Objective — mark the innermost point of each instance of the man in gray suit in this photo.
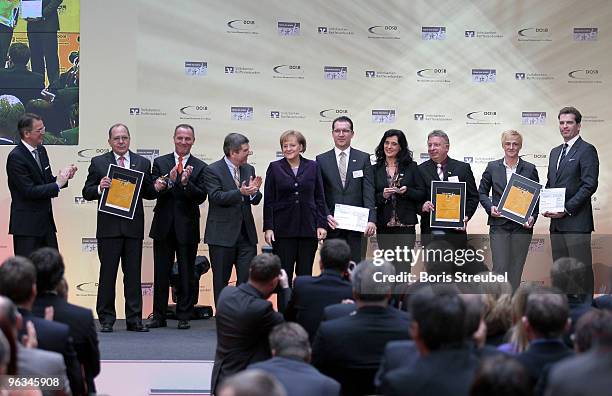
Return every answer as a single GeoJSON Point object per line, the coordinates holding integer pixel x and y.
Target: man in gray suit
{"type": "Point", "coordinates": [230, 228]}
{"type": "Point", "coordinates": [348, 180]}
{"type": "Point", "coordinates": [574, 165]}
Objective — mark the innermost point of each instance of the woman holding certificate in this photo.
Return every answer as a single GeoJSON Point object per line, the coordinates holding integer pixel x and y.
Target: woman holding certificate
{"type": "Point", "coordinates": [295, 214]}
{"type": "Point", "coordinates": [509, 238]}
{"type": "Point", "coordinates": [399, 190]}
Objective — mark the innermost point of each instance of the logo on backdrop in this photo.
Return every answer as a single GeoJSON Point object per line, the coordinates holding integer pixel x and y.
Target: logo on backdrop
{"type": "Point", "coordinates": [423, 157]}
{"type": "Point", "coordinates": [291, 115]}
{"type": "Point", "coordinates": [484, 75]}
{"type": "Point", "coordinates": [522, 76]}
{"type": "Point", "coordinates": [240, 70]}
{"type": "Point", "coordinates": [334, 30]}
{"type": "Point", "coordinates": [382, 74]}
{"type": "Point", "coordinates": [195, 112]}
{"type": "Point", "coordinates": [429, 33]}
{"type": "Point", "coordinates": [335, 72]}
{"type": "Point", "coordinates": [535, 34]}
{"type": "Point", "coordinates": [147, 111]}
{"type": "Point", "coordinates": [482, 34]}
{"type": "Point", "coordinates": [585, 34]}
{"type": "Point", "coordinates": [86, 154]}
{"type": "Point", "coordinates": [242, 26]}
{"type": "Point", "coordinates": [87, 289]}
{"type": "Point", "coordinates": [389, 32]}
{"type": "Point", "coordinates": [438, 117]}
{"type": "Point", "coordinates": [584, 76]}
{"type": "Point", "coordinates": [288, 29]}
{"type": "Point", "coordinates": [89, 244]}
{"type": "Point", "coordinates": [193, 68]}
{"type": "Point", "coordinates": [288, 72]}
{"type": "Point", "coordinates": [383, 116]}
{"type": "Point", "coordinates": [468, 160]}
{"type": "Point", "coordinates": [149, 154]}
{"type": "Point", "coordinates": [146, 288]}
{"type": "Point", "coordinates": [587, 118]}
{"type": "Point", "coordinates": [241, 113]}
{"type": "Point", "coordinates": [533, 118]}
{"type": "Point", "coordinates": [328, 115]}
{"type": "Point", "coordinates": [482, 118]}
{"type": "Point", "coordinates": [434, 75]}
{"type": "Point", "coordinates": [477, 160]}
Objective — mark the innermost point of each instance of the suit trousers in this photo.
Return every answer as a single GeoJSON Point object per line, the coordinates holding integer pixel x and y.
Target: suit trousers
{"type": "Point", "coordinates": [110, 251]}
{"type": "Point", "coordinates": [578, 246]}
{"type": "Point", "coordinates": [298, 252]}
{"type": "Point", "coordinates": [164, 251]}
{"type": "Point", "coordinates": [509, 247]}
{"type": "Point", "coordinates": [6, 35]}
{"type": "Point", "coordinates": [25, 245]}
{"type": "Point", "coordinates": [356, 241]}
{"type": "Point", "coordinates": [222, 259]}
{"type": "Point", "coordinates": [43, 46]}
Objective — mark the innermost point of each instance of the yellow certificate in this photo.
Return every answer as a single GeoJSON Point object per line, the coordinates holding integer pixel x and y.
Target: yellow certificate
{"type": "Point", "coordinates": [518, 201]}
{"type": "Point", "coordinates": [448, 207]}
{"type": "Point", "coordinates": [121, 194]}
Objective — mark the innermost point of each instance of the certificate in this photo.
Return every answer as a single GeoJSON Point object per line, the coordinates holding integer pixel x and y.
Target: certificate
{"type": "Point", "coordinates": [552, 200]}
{"type": "Point", "coordinates": [448, 199]}
{"type": "Point", "coordinates": [121, 197]}
{"type": "Point", "coordinates": [519, 198]}
{"type": "Point", "coordinates": [31, 9]}
{"type": "Point", "coordinates": [352, 218]}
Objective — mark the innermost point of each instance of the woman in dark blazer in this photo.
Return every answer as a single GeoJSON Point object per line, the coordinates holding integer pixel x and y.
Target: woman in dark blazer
{"type": "Point", "coordinates": [295, 214]}
{"type": "Point", "coordinates": [399, 189]}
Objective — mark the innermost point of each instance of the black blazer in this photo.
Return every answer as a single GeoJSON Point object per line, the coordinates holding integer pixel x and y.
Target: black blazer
{"type": "Point", "coordinates": [111, 226]}
{"type": "Point", "coordinates": [494, 178]}
{"type": "Point", "coordinates": [31, 192]}
{"type": "Point", "coordinates": [311, 294]}
{"type": "Point", "coordinates": [49, 21]}
{"type": "Point", "coordinates": [299, 378]}
{"type": "Point", "coordinates": [178, 207]}
{"type": "Point", "coordinates": [463, 171]}
{"type": "Point", "coordinates": [579, 174]}
{"type": "Point", "coordinates": [21, 83]}
{"type": "Point", "coordinates": [397, 354]}
{"type": "Point", "coordinates": [294, 205]}
{"type": "Point", "coordinates": [540, 354]}
{"type": "Point", "coordinates": [244, 320]}
{"type": "Point", "coordinates": [82, 330]}
{"type": "Point", "coordinates": [227, 208]}
{"type": "Point", "coordinates": [358, 191]}
{"type": "Point", "coordinates": [407, 204]}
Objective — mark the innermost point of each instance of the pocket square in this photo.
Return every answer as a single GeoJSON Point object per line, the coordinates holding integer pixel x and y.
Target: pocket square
{"type": "Point", "coordinates": [572, 159]}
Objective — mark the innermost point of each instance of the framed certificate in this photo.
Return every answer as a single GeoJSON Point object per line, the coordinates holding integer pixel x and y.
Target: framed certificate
{"type": "Point", "coordinates": [519, 198]}
{"type": "Point", "coordinates": [448, 199]}
{"type": "Point", "coordinates": [121, 197]}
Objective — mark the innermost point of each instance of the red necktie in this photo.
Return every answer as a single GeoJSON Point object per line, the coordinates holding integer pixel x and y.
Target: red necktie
{"type": "Point", "coordinates": [179, 169]}
{"type": "Point", "coordinates": [121, 161]}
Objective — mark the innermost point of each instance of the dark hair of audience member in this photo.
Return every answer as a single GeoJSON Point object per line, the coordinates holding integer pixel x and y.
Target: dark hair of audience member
{"type": "Point", "coordinates": [440, 315]}
{"type": "Point", "coordinates": [518, 336]}
{"type": "Point", "coordinates": [17, 277]}
{"type": "Point", "coordinates": [500, 375]}
{"type": "Point", "coordinates": [547, 312]}
{"type": "Point", "coordinates": [290, 340]}
{"type": "Point", "coordinates": [593, 329]}
{"type": "Point", "coordinates": [335, 254]}
{"type": "Point", "coordinates": [49, 268]}
{"type": "Point", "coordinates": [568, 275]}
{"type": "Point", "coordinates": [253, 382]}
{"type": "Point", "coordinates": [264, 268]}
{"type": "Point", "coordinates": [8, 323]}
{"type": "Point", "coordinates": [366, 288]}
{"type": "Point", "coordinates": [474, 313]}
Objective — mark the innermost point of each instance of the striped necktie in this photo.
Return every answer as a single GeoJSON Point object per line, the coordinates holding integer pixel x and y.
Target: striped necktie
{"type": "Point", "coordinates": [237, 176]}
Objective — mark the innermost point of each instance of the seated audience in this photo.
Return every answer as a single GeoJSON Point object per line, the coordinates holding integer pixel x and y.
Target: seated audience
{"type": "Point", "coordinates": [517, 337]}
{"type": "Point", "coordinates": [17, 80]}
{"type": "Point", "coordinates": [500, 376]}
{"type": "Point", "coordinates": [251, 383]}
{"type": "Point", "coordinates": [589, 328]}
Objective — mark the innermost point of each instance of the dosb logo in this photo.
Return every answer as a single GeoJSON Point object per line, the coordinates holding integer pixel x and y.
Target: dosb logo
{"type": "Point", "coordinates": [481, 115]}
{"type": "Point", "coordinates": [92, 152]}
{"type": "Point", "coordinates": [584, 74]}
{"type": "Point", "coordinates": [431, 73]}
{"type": "Point", "coordinates": [87, 287]}
{"type": "Point", "coordinates": [288, 70]}
{"type": "Point", "coordinates": [134, 111]}
{"type": "Point", "coordinates": [384, 31]}
{"type": "Point", "coordinates": [333, 113]}
{"type": "Point", "coordinates": [194, 110]}
{"type": "Point", "coordinates": [534, 33]}
{"type": "Point", "coordinates": [241, 24]}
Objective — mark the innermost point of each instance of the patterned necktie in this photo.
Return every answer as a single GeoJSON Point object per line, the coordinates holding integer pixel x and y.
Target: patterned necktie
{"type": "Point", "coordinates": [179, 169]}
{"type": "Point", "coordinates": [563, 152]}
{"type": "Point", "coordinates": [37, 158]}
{"type": "Point", "coordinates": [121, 161]}
{"type": "Point", "coordinates": [237, 176]}
{"type": "Point", "coordinates": [342, 168]}
{"type": "Point", "coordinates": [440, 172]}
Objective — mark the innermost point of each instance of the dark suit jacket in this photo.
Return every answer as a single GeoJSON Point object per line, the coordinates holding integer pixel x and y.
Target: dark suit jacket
{"type": "Point", "coordinates": [540, 354]}
{"type": "Point", "coordinates": [578, 173]}
{"type": "Point", "coordinates": [244, 320]}
{"type": "Point", "coordinates": [50, 21]}
{"type": "Point", "coordinates": [358, 191]}
{"type": "Point", "coordinates": [31, 192]}
{"type": "Point", "coordinates": [460, 169]}
{"type": "Point", "coordinates": [179, 207]}
{"type": "Point", "coordinates": [397, 354]}
{"type": "Point", "coordinates": [407, 204]}
{"type": "Point", "coordinates": [55, 337]}
{"type": "Point", "coordinates": [227, 208]}
{"type": "Point", "coordinates": [82, 330]}
{"type": "Point", "coordinates": [21, 83]}
{"type": "Point", "coordinates": [111, 226]}
{"type": "Point", "coordinates": [311, 294]}
{"type": "Point", "coordinates": [586, 374]}
{"type": "Point", "coordinates": [294, 205]}
{"type": "Point", "coordinates": [299, 378]}
{"type": "Point", "coordinates": [349, 349]}
{"type": "Point", "coordinates": [441, 373]}
{"type": "Point", "coordinates": [494, 178]}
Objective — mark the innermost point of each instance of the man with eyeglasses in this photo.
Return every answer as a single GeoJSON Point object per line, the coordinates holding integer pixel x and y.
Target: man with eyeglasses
{"type": "Point", "coordinates": [347, 179]}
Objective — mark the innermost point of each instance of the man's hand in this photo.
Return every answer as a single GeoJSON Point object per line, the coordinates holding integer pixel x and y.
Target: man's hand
{"type": "Point", "coordinates": [554, 215]}
{"type": "Point", "coordinates": [105, 183]}
{"type": "Point", "coordinates": [269, 237]}
{"type": "Point", "coordinates": [173, 173]}
{"type": "Point", "coordinates": [70, 170]}
{"type": "Point", "coordinates": [49, 312]}
{"type": "Point", "coordinates": [257, 182]}
{"type": "Point", "coordinates": [160, 184]}
{"type": "Point", "coordinates": [332, 222]}
{"type": "Point", "coordinates": [495, 212]}
{"type": "Point", "coordinates": [186, 173]}
{"type": "Point", "coordinates": [388, 192]}
{"type": "Point", "coordinates": [529, 223]}
{"type": "Point", "coordinates": [465, 221]}
{"type": "Point", "coordinates": [249, 189]}
{"type": "Point", "coordinates": [427, 207]}
{"type": "Point", "coordinates": [402, 190]}
{"type": "Point", "coordinates": [283, 279]}
{"type": "Point", "coordinates": [321, 233]}
{"type": "Point", "coordinates": [29, 340]}
{"type": "Point", "coordinates": [370, 229]}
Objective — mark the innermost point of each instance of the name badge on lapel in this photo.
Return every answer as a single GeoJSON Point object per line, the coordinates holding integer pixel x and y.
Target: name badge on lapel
{"type": "Point", "coordinates": [357, 173]}
{"type": "Point", "coordinates": [454, 179]}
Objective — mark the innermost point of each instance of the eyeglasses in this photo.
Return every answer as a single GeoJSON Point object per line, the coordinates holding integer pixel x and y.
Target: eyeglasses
{"type": "Point", "coordinates": [342, 131]}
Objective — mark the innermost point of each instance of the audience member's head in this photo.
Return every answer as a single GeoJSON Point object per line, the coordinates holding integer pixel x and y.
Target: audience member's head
{"type": "Point", "coordinates": [501, 375]}
{"type": "Point", "coordinates": [290, 340]}
{"type": "Point", "coordinates": [5, 354]}
{"type": "Point", "coordinates": [10, 321]}
{"type": "Point", "coordinates": [434, 258]}
{"type": "Point", "coordinates": [11, 109]}
{"type": "Point", "coordinates": [264, 272]}
{"type": "Point", "coordinates": [568, 275]}
{"type": "Point", "coordinates": [518, 335]}
{"type": "Point", "coordinates": [475, 326]}
{"type": "Point", "coordinates": [18, 281]}
{"type": "Point", "coordinates": [438, 315]}
{"type": "Point", "coordinates": [546, 314]}
{"type": "Point", "coordinates": [593, 329]}
{"type": "Point", "coordinates": [19, 54]}
{"type": "Point", "coordinates": [49, 266]}
{"type": "Point", "coordinates": [252, 382]}
{"type": "Point", "coordinates": [498, 314]}
{"type": "Point", "coordinates": [335, 255]}
{"type": "Point", "coordinates": [370, 283]}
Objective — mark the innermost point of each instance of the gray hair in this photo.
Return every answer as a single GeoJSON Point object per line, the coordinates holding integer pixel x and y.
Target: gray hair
{"type": "Point", "coordinates": [371, 282]}
{"type": "Point", "coordinates": [233, 142]}
{"type": "Point", "coordinates": [290, 340]}
{"type": "Point", "coordinates": [439, 133]}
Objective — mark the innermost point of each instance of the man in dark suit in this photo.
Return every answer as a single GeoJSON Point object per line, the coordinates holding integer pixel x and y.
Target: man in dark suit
{"type": "Point", "coordinates": [119, 238]}
{"type": "Point", "coordinates": [509, 240]}
{"type": "Point", "coordinates": [42, 39]}
{"type": "Point", "coordinates": [367, 332]}
{"type": "Point", "coordinates": [18, 282]}
{"type": "Point", "coordinates": [290, 363]}
{"type": "Point", "coordinates": [440, 167]}
{"type": "Point", "coordinates": [176, 226]}
{"type": "Point", "coordinates": [575, 167]}
{"type": "Point", "coordinates": [245, 318]}
{"type": "Point", "coordinates": [311, 294]}
{"type": "Point", "coordinates": [32, 185]}
{"type": "Point", "coordinates": [17, 80]}
{"type": "Point", "coordinates": [232, 189]}
{"type": "Point", "coordinates": [348, 180]}
{"type": "Point", "coordinates": [49, 274]}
